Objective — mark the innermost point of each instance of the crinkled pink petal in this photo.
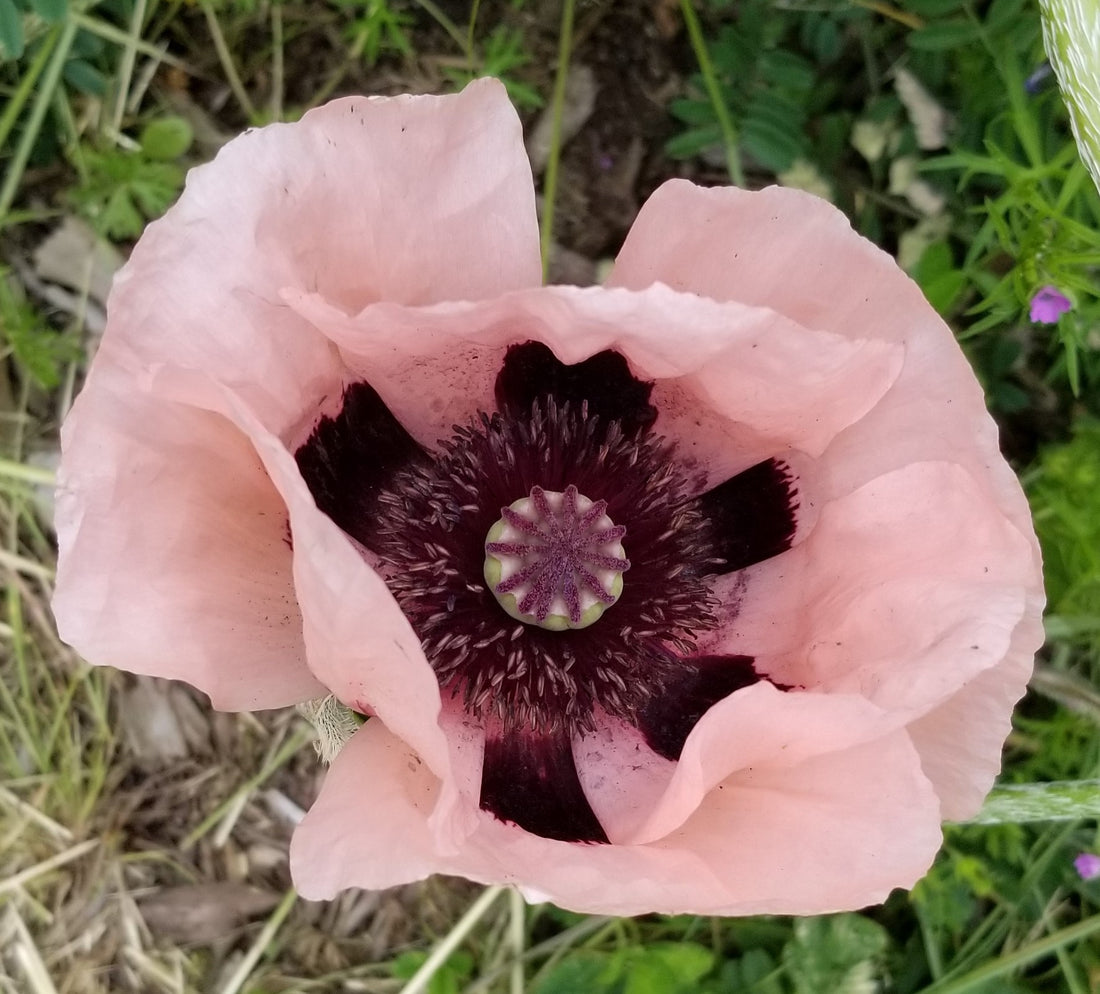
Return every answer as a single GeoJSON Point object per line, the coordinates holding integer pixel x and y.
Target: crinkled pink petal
{"type": "Point", "coordinates": [960, 740]}
{"type": "Point", "coordinates": [173, 554]}
{"type": "Point", "coordinates": [621, 776]}
{"type": "Point", "coordinates": [910, 610]}
{"type": "Point", "coordinates": [410, 199]}
{"type": "Point", "coordinates": [885, 600]}
{"type": "Point", "coordinates": [767, 379]}
{"type": "Point", "coordinates": [869, 807]}
{"type": "Point", "coordinates": [759, 726]}
{"type": "Point", "coordinates": [784, 249]}
{"type": "Point", "coordinates": [358, 642]}
{"type": "Point", "coordinates": [639, 797]}
{"type": "Point", "coordinates": [772, 839]}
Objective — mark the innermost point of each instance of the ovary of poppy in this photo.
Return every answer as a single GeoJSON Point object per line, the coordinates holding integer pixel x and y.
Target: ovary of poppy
{"type": "Point", "coordinates": [331, 367]}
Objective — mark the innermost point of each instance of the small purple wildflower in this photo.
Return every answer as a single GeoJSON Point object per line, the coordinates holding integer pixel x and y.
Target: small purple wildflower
{"type": "Point", "coordinates": [1087, 865]}
{"type": "Point", "coordinates": [1049, 304]}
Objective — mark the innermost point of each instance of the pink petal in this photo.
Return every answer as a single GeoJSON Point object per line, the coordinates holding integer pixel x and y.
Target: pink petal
{"type": "Point", "coordinates": [639, 797]}
{"type": "Point", "coordinates": [623, 779]}
{"type": "Point", "coordinates": [888, 600]}
{"type": "Point", "coordinates": [747, 373]}
{"type": "Point", "coordinates": [835, 832]}
{"type": "Point", "coordinates": [785, 249]}
{"type": "Point", "coordinates": [778, 248]}
{"type": "Point", "coordinates": [759, 726]}
{"type": "Point", "coordinates": [358, 642]}
{"type": "Point", "coordinates": [794, 854]}
{"type": "Point", "coordinates": [409, 199]}
{"type": "Point", "coordinates": [961, 740]}
{"type": "Point", "coordinates": [173, 553]}
{"type": "Point", "coordinates": [369, 828]}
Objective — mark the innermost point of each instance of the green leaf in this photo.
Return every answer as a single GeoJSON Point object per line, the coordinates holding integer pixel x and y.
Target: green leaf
{"type": "Point", "coordinates": [37, 349]}
{"type": "Point", "coordinates": [944, 290]}
{"type": "Point", "coordinates": [580, 972]}
{"type": "Point", "coordinates": [50, 11]}
{"type": "Point", "coordinates": [771, 142]}
{"type": "Point", "coordinates": [120, 219]}
{"type": "Point", "coordinates": [156, 186]}
{"type": "Point", "coordinates": [693, 142]}
{"type": "Point", "coordinates": [692, 111]}
{"type": "Point", "coordinates": [821, 35]}
{"type": "Point", "coordinates": [668, 968]}
{"type": "Point", "coordinates": [1066, 500]}
{"type": "Point", "coordinates": [944, 36]}
{"type": "Point", "coordinates": [11, 30]}
{"type": "Point", "coordinates": [1004, 14]}
{"type": "Point", "coordinates": [83, 76]}
{"type": "Point", "coordinates": [756, 972]}
{"type": "Point", "coordinates": [835, 953]}
{"type": "Point", "coordinates": [787, 71]}
{"type": "Point", "coordinates": [166, 138]}
{"type": "Point", "coordinates": [450, 978]}
{"type": "Point", "coordinates": [938, 277]}
{"type": "Point", "coordinates": [934, 8]}
{"type": "Point", "coordinates": [124, 189]}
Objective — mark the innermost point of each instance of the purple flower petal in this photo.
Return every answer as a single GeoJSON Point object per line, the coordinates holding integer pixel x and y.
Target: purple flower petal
{"type": "Point", "coordinates": [1087, 865]}
{"type": "Point", "coordinates": [1048, 305]}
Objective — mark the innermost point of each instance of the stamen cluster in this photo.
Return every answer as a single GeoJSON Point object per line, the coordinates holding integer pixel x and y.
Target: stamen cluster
{"type": "Point", "coordinates": [431, 540]}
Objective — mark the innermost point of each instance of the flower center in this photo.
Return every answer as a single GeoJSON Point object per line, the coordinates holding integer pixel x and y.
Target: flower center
{"type": "Point", "coordinates": [447, 532]}
{"type": "Point", "coordinates": [555, 560]}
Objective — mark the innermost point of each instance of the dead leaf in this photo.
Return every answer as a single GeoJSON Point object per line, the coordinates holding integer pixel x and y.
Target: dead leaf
{"type": "Point", "coordinates": [75, 256]}
{"type": "Point", "coordinates": [905, 181]}
{"type": "Point", "coordinates": [198, 914]}
{"type": "Point", "coordinates": [163, 723]}
{"type": "Point", "coordinates": [930, 121]}
{"type": "Point", "coordinates": [580, 101]}
{"type": "Point", "coordinates": [666, 15]}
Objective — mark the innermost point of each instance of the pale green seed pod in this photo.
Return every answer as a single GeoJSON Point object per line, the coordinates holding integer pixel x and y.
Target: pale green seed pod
{"type": "Point", "coordinates": [1071, 33]}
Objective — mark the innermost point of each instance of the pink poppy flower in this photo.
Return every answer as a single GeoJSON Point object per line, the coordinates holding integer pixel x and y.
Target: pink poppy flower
{"type": "Point", "coordinates": [706, 590]}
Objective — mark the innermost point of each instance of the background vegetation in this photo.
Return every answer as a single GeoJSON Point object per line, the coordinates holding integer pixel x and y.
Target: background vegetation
{"type": "Point", "coordinates": [142, 838]}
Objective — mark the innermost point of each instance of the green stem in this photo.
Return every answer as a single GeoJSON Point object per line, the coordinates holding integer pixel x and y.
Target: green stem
{"type": "Point", "coordinates": [1066, 800]}
{"type": "Point", "coordinates": [226, 60]}
{"type": "Point", "coordinates": [126, 64]}
{"type": "Point", "coordinates": [278, 69]}
{"type": "Point", "coordinates": [26, 87]}
{"type": "Point", "coordinates": [550, 180]}
{"type": "Point", "coordinates": [244, 969]}
{"type": "Point", "coordinates": [517, 923]}
{"type": "Point", "coordinates": [447, 25]}
{"type": "Point", "coordinates": [420, 980]}
{"type": "Point", "coordinates": [12, 470]}
{"type": "Point", "coordinates": [710, 80]}
{"type": "Point", "coordinates": [108, 32]}
{"type": "Point", "coordinates": [980, 976]}
{"type": "Point", "coordinates": [474, 9]}
{"type": "Point", "coordinates": [50, 81]}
